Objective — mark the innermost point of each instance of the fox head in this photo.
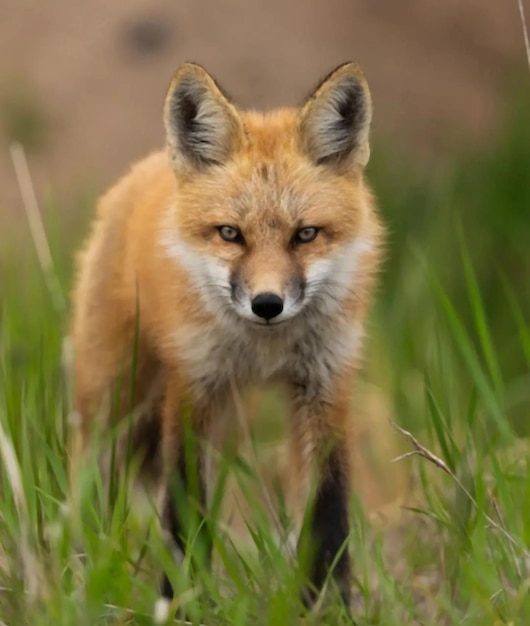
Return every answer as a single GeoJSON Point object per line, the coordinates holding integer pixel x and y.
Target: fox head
{"type": "Point", "coordinates": [271, 217]}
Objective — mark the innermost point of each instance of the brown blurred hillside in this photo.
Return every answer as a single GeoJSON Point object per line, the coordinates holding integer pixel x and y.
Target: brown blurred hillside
{"type": "Point", "coordinates": [86, 80]}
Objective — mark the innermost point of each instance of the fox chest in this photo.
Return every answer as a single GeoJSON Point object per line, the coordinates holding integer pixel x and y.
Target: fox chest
{"type": "Point", "coordinates": [214, 360]}
{"type": "Point", "coordinates": [310, 357]}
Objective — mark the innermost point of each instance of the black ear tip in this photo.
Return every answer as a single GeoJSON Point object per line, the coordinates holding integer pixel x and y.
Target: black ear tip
{"type": "Point", "coordinates": [193, 72]}
{"type": "Point", "coordinates": [353, 65]}
{"type": "Point", "coordinates": [194, 64]}
{"type": "Point", "coordinates": [352, 69]}
{"type": "Point", "coordinates": [348, 72]}
{"type": "Point", "coordinates": [191, 68]}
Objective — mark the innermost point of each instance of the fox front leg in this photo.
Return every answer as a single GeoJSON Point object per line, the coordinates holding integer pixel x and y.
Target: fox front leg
{"type": "Point", "coordinates": [320, 420]}
{"type": "Point", "coordinates": [185, 499]}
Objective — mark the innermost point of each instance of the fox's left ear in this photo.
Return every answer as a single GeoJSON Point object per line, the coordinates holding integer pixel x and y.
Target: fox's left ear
{"type": "Point", "coordinates": [202, 126]}
{"type": "Point", "coordinates": [335, 120]}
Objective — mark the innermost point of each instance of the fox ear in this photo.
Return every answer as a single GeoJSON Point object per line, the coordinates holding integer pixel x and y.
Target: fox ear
{"type": "Point", "coordinates": [202, 126]}
{"type": "Point", "coordinates": [335, 120]}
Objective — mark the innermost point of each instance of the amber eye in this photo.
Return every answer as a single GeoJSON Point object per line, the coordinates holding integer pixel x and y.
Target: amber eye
{"type": "Point", "coordinates": [229, 233]}
{"type": "Point", "coordinates": [306, 235]}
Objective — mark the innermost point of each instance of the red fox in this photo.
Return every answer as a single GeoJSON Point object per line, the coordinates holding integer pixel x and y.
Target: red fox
{"type": "Point", "coordinates": [244, 254]}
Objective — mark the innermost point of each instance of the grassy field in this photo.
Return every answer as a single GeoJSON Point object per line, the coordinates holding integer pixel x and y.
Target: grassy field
{"type": "Point", "coordinates": [449, 354]}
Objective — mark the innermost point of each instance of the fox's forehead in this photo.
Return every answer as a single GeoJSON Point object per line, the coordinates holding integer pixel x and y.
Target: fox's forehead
{"type": "Point", "coordinates": [284, 191]}
{"type": "Point", "coordinates": [270, 183]}
{"type": "Point", "coordinates": [287, 194]}
{"type": "Point", "coordinates": [270, 135]}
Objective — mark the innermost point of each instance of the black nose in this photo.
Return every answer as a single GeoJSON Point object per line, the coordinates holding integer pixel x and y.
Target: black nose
{"type": "Point", "coordinates": [267, 305]}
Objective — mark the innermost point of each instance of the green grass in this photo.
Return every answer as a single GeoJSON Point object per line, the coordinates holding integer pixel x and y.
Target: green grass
{"type": "Point", "coordinates": [449, 351]}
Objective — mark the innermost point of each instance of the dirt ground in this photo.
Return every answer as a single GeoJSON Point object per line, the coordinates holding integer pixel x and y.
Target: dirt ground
{"type": "Point", "coordinates": [91, 76]}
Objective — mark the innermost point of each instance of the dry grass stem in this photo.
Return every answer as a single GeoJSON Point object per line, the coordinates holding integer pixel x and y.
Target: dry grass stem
{"type": "Point", "coordinates": [30, 565]}
{"type": "Point", "coordinates": [525, 31]}
{"type": "Point", "coordinates": [420, 450]}
{"type": "Point", "coordinates": [38, 233]}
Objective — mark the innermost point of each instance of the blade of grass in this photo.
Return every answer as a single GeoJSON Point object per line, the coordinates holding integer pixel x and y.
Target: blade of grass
{"type": "Point", "coordinates": [481, 323]}
{"type": "Point", "coordinates": [467, 351]}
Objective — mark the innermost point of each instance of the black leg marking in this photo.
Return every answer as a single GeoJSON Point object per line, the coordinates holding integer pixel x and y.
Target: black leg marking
{"type": "Point", "coordinates": [329, 529]}
{"type": "Point", "coordinates": [183, 514]}
{"type": "Point", "coordinates": [147, 443]}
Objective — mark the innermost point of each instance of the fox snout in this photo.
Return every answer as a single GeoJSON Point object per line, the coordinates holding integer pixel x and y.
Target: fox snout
{"type": "Point", "coordinates": [267, 303]}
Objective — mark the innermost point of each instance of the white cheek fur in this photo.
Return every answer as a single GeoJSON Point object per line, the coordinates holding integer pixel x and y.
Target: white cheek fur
{"type": "Point", "coordinates": [209, 274]}
{"type": "Point", "coordinates": [334, 277]}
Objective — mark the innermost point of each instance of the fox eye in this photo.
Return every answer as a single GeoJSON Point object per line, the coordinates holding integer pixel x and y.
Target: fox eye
{"type": "Point", "coordinates": [229, 233]}
{"type": "Point", "coordinates": [306, 235]}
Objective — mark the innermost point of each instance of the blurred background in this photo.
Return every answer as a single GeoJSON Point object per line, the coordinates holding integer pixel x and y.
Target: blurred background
{"type": "Point", "coordinates": [82, 87]}
{"type": "Point", "coordinates": [81, 84]}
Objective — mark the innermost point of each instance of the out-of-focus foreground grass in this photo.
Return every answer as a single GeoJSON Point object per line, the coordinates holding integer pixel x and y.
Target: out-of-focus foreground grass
{"type": "Point", "coordinates": [448, 360]}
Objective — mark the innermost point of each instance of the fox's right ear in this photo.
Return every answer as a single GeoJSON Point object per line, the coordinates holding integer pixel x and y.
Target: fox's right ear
{"type": "Point", "coordinates": [202, 126]}
{"type": "Point", "coordinates": [335, 120]}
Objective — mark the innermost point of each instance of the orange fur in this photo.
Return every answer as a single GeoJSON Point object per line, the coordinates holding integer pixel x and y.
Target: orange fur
{"type": "Point", "coordinates": [156, 273]}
